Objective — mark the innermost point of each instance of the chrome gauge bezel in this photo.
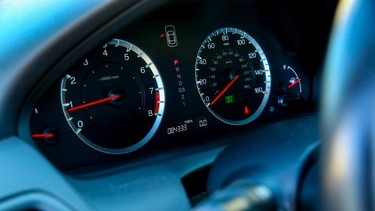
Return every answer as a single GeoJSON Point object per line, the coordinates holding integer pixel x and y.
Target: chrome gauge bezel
{"type": "Point", "coordinates": [159, 104]}
{"type": "Point", "coordinates": [260, 55]}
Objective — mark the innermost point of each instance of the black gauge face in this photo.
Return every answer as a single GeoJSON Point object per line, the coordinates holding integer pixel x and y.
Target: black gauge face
{"type": "Point", "coordinates": [291, 88]}
{"type": "Point", "coordinates": [113, 99]}
{"type": "Point", "coordinates": [232, 76]}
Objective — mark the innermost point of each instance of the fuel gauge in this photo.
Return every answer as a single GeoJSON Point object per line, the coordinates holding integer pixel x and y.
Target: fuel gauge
{"type": "Point", "coordinates": [292, 87]}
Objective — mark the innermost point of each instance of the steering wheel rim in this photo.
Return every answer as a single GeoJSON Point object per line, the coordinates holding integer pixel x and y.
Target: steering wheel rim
{"type": "Point", "coordinates": [347, 119]}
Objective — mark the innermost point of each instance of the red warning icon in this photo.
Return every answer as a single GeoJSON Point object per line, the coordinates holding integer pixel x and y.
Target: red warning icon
{"type": "Point", "coordinates": [246, 110]}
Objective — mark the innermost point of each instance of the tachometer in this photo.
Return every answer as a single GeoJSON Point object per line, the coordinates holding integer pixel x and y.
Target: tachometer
{"type": "Point", "coordinates": [113, 99]}
{"type": "Point", "coordinates": [232, 76]}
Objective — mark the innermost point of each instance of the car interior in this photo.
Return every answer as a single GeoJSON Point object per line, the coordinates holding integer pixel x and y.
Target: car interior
{"type": "Point", "coordinates": [187, 105]}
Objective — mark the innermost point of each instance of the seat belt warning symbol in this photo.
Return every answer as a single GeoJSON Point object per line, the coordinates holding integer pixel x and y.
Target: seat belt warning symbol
{"type": "Point", "coordinates": [171, 37]}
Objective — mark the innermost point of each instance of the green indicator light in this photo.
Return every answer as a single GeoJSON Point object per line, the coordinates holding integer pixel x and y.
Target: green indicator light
{"type": "Point", "coordinates": [229, 99]}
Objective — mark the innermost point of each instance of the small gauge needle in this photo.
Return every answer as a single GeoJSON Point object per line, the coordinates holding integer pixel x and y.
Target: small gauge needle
{"type": "Point", "coordinates": [294, 83]}
{"type": "Point", "coordinates": [43, 135]}
{"type": "Point", "coordinates": [225, 89]}
{"type": "Point", "coordinates": [94, 103]}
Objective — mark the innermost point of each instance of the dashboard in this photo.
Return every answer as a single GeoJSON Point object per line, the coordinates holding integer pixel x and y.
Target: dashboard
{"type": "Point", "coordinates": [129, 88]}
{"type": "Point", "coordinates": [174, 86]}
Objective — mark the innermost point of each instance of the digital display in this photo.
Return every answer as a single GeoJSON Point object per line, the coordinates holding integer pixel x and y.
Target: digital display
{"type": "Point", "coordinates": [187, 125]}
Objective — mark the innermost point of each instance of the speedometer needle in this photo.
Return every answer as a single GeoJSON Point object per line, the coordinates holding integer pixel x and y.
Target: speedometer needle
{"type": "Point", "coordinates": [94, 103]}
{"type": "Point", "coordinates": [225, 89]}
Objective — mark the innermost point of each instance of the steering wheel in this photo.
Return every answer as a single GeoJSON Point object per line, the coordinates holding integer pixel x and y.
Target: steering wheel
{"type": "Point", "coordinates": [347, 133]}
{"type": "Point", "coordinates": [347, 119]}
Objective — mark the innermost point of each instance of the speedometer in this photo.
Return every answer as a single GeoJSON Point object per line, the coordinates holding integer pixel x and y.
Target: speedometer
{"type": "Point", "coordinates": [232, 76]}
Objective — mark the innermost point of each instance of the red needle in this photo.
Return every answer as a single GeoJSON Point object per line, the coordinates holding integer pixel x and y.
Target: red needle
{"type": "Point", "coordinates": [94, 103]}
{"type": "Point", "coordinates": [294, 83]}
{"type": "Point", "coordinates": [43, 135]}
{"type": "Point", "coordinates": [225, 89]}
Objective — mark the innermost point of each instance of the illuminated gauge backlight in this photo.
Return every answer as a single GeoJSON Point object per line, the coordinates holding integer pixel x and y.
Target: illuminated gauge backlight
{"type": "Point", "coordinates": [113, 99]}
{"type": "Point", "coordinates": [232, 76]}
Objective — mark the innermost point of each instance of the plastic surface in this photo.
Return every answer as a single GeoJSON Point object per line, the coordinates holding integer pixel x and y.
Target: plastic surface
{"type": "Point", "coordinates": [156, 191]}
{"type": "Point", "coordinates": [271, 156]}
{"type": "Point", "coordinates": [32, 43]}
{"type": "Point", "coordinates": [23, 169]}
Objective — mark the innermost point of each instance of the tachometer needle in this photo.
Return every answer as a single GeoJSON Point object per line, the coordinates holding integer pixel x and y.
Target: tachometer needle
{"type": "Point", "coordinates": [294, 83]}
{"type": "Point", "coordinates": [93, 103]}
{"type": "Point", "coordinates": [224, 90]}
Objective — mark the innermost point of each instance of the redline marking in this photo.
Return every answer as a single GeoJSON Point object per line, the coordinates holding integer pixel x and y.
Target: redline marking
{"type": "Point", "coordinates": [157, 99]}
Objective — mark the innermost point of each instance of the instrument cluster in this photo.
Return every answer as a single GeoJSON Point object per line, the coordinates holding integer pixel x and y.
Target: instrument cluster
{"type": "Point", "coordinates": [165, 81]}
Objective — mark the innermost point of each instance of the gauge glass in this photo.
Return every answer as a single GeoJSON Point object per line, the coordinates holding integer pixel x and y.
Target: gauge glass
{"type": "Point", "coordinates": [113, 99]}
{"type": "Point", "coordinates": [232, 76]}
{"type": "Point", "coordinates": [292, 88]}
